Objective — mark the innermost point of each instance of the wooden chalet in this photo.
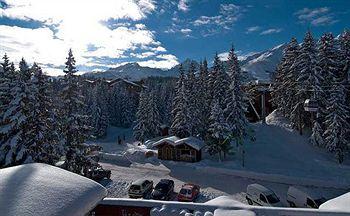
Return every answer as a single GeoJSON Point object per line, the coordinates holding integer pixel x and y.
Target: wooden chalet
{"type": "Point", "coordinates": [173, 148]}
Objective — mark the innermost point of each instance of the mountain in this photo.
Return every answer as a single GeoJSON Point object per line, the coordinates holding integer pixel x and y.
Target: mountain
{"type": "Point", "coordinates": [258, 66]}
{"type": "Point", "coordinates": [130, 71]}
{"type": "Point", "coordinates": [261, 66]}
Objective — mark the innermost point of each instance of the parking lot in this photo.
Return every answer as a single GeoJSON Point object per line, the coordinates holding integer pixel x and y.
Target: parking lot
{"type": "Point", "coordinates": [212, 185]}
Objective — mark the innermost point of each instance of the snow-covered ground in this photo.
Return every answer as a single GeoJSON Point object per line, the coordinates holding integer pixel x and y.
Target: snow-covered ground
{"type": "Point", "coordinates": [278, 158]}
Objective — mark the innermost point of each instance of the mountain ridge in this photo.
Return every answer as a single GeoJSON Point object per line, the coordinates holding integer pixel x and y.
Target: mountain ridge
{"type": "Point", "coordinates": [258, 66]}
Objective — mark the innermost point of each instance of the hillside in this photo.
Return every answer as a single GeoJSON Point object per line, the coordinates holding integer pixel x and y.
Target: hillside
{"type": "Point", "coordinates": [258, 66]}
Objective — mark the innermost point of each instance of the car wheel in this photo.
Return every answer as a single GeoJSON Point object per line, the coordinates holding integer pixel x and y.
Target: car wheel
{"type": "Point", "coordinates": [250, 202]}
{"type": "Point", "coordinates": [291, 204]}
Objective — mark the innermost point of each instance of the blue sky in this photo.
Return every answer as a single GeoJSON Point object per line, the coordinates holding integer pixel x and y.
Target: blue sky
{"type": "Point", "coordinates": [107, 33]}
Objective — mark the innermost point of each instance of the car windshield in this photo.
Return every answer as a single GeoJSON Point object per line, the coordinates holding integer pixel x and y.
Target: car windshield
{"type": "Point", "coordinates": [185, 191]}
{"type": "Point", "coordinates": [161, 187]}
{"type": "Point", "coordinates": [272, 198]}
{"type": "Point", "coordinates": [320, 201]}
{"type": "Point", "coordinates": [135, 187]}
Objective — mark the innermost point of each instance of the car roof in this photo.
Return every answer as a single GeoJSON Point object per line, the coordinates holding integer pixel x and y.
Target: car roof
{"type": "Point", "coordinates": [139, 182]}
{"type": "Point", "coordinates": [165, 181]}
{"type": "Point", "coordinates": [261, 188]}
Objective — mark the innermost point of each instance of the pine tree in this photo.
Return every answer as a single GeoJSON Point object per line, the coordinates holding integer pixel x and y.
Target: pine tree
{"type": "Point", "coordinates": [147, 118]}
{"type": "Point", "coordinates": [336, 134]}
{"type": "Point", "coordinates": [219, 82]}
{"type": "Point", "coordinates": [203, 95]}
{"type": "Point", "coordinates": [191, 92]}
{"type": "Point", "coordinates": [180, 126]}
{"type": "Point", "coordinates": [17, 145]}
{"type": "Point", "coordinates": [284, 88]}
{"type": "Point", "coordinates": [178, 88]}
{"type": "Point", "coordinates": [235, 109]}
{"type": "Point", "coordinates": [308, 82]}
{"type": "Point", "coordinates": [46, 146]}
{"type": "Point", "coordinates": [329, 67]}
{"type": "Point", "coordinates": [74, 124]}
{"type": "Point", "coordinates": [99, 109]}
{"type": "Point", "coordinates": [218, 131]}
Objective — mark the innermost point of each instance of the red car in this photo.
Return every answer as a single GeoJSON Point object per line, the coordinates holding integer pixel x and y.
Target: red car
{"type": "Point", "coordinates": [188, 192]}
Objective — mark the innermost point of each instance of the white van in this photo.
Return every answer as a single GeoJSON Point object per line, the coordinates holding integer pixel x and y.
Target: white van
{"type": "Point", "coordinates": [304, 198]}
{"type": "Point", "coordinates": [260, 195]}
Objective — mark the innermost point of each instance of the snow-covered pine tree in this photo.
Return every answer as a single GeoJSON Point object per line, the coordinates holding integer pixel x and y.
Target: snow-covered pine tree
{"type": "Point", "coordinates": [99, 109]}
{"type": "Point", "coordinates": [7, 76]}
{"type": "Point", "coordinates": [336, 134]}
{"type": "Point", "coordinates": [179, 84]}
{"type": "Point", "coordinates": [18, 144]}
{"type": "Point", "coordinates": [219, 82]}
{"type": "Point", "coordinates": [308, 81]}
{"type": "Point", "coordinates": [235, 109]}
{"type": "Point", "coordinates": [284, 89]}
{"type": "Point", "coordinates": [153, 117]}
{"type": "Point", "coordinates": [329, 65]}
{"type": "Point", "coordinates": [140, 129]}
{"type": "Point", "coordinates": [218, 131]}
{"type": "Point", "coordinates": [203, 99]}
{"type": "Point", "coordinates": [46, 147]}
{"type": "Point", "coordinates": [180, 126]}
{"type": "Point", "coordinates": [193, 105]}
{"type": "Point", "coordinates": [74, 124]}
{"type": "Point", "coordinates": [147, 117]}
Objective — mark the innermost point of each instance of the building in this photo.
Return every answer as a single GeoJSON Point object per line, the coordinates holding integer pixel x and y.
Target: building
{"type": "Point", "coordinates": [173, 148]}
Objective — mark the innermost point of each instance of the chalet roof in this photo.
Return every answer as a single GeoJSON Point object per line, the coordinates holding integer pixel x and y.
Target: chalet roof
{"type": "Point", "coordinates": [40, 189]}
{"type": "Point", "coordinates": [175, 141]}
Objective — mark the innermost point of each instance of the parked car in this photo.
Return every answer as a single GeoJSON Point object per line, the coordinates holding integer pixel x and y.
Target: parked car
{"type": "Point", "coordinates": [163, 190]}
{"type": "Point", "coordinates": [260, 195]}
{"type": "Point", "coordinates": [97, 173]}
{"type": "Point", "coordinates": [140, 188]}
{"type": "Point", "coordinates": [304, 198]}
{"type": "Point", "coordinates": [188, 192]}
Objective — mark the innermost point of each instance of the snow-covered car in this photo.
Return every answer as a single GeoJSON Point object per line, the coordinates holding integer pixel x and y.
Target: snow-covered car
{"type": "Point", "coordinates": [188, 192]}
{"type": "Point", "coordinates": [98, 173]}
{"type": "Point", "coordinates": [262, 196]}
{"type": "Point", "coordinates": [163, 190]}
{"type": "Point", "coordinates": [304, 198]}
{"type": "Point", "coordinates": [140, 188]}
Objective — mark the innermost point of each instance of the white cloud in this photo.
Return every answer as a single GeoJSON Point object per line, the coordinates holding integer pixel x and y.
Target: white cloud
{"type": "Point", "coordinates": [183, 5]}
{"type": "Point", "coordinates": [253, 29]}
{"type": "Point", "coordinates": [186, 30]}
{"type": "Point", "coordinates": [77, 24]}
{"type": "Point", "coordinates": [316, 17]}
{"type": "Point", "coordinates": [166, 61]}
{"type": "Point", "coordinates": [223, 56]}
{"type": "Point", "coordinates": [228, 15]}
{"type": "Point", "coordinates": [143, 55]}
{"type": "Point", "coordinates": [271, 31]}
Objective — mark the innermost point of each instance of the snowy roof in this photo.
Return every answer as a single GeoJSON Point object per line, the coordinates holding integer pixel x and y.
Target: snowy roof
{"type": "Point", "coordinates": [340, 203]}
{"type": "Point", "coordinates": [40, 189]}
{"type": "Point", "coordinates": [174, 141]}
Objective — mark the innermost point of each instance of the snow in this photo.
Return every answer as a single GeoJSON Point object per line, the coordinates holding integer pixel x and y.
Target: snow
{"type": "Point", "coordinates": [279, 158]}
{"type": "Point", "coordinates": [262, 65]}
{"type": "Point", "coordinates": [175, 141]}
{"type": "Point", "coordinates": [339, 204]}
{"type": "Point", "coordinates": [40, 189]}
{"type": "Point", "coordinates": [225, 212]}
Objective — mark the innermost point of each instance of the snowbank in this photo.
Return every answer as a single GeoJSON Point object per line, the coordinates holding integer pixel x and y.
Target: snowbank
{"type": "Point", "coordinates": [339, 204]}
{"type": "Point", "coordinates": [40, 189]}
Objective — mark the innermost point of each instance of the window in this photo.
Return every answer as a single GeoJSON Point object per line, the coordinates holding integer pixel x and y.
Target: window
{"type": "Point", "coordinates": [262, 198]}
{"type": "Point", "coordinates": [272, 198]}
{"type": "Point", "coordinates": [310, 203]}
{"type": "Point", "coordinates": [185, 152]}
